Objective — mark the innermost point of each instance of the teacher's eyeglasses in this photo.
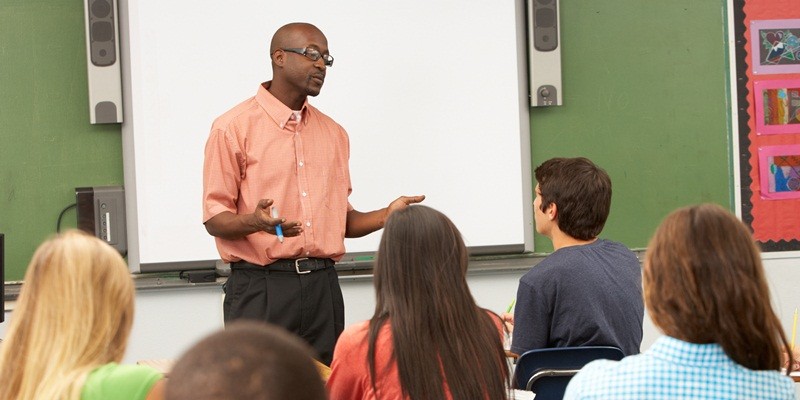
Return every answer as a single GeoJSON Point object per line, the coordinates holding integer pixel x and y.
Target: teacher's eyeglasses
{"type": "Point", "coordinates": [312, 54]}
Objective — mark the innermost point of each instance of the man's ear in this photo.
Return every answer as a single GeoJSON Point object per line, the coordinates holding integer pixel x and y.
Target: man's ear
{"type": "Point", "coordinates": [552, 212]}
{"type": "Point", "coordinates": [278, 56]}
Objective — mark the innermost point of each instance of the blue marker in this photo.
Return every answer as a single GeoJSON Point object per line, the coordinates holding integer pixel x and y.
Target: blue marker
{"type": "Point", "coordinates": [278, 229]}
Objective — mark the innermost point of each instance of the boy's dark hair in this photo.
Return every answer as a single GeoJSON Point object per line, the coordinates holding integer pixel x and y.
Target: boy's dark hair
{"type": "Point", "coordinates": [247, 360]}
{"type": "Point", "coordinates": [581, 191]}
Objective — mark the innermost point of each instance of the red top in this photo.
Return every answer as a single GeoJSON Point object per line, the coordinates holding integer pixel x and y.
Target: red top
{"type": "Point", "coordinates": [350, 377]}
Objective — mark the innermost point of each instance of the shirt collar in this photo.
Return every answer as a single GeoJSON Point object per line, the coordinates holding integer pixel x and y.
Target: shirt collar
{"type": "Point", "coordinates": [684, 353]}
{"type": "Point", "coordinates": [278, 111]}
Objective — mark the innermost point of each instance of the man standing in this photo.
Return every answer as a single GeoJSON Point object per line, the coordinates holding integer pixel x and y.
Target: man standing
{"type": "Point", "coordinates": [588, 292]}
{"type": "Point", "coordinates": [277, 150]}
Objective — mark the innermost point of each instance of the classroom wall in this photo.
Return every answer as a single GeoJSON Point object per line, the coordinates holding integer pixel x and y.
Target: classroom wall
{"type": "Point", "coordinates": [47, 146]}
{"type": "Point", "coordinates": [645, 96]}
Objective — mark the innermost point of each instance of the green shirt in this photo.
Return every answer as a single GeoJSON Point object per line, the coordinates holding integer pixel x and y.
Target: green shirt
{"type": "Point", "coordinates": [120, 382]}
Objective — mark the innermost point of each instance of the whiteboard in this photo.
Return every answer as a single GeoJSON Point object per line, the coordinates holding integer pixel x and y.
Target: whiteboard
{"type": "Point", "coordinates": [433, 94]}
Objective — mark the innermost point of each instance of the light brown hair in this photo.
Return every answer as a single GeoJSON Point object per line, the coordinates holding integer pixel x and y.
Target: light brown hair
{"type": "Point", "coordinates": [439, 334]}
{"type": "Point", "coordinates": [704, 283]}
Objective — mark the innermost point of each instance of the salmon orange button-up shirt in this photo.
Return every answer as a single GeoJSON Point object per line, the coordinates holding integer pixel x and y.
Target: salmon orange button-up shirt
{"type": "Point", "coordinates": [258, 150]}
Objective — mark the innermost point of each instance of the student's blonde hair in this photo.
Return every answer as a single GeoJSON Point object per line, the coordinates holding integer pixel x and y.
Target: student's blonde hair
{"type": "Point", "coordinates": [74, 313]}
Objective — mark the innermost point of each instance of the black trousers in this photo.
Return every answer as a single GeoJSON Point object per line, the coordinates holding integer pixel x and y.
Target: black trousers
{"type": "Point", "coordinates": [309, 304]}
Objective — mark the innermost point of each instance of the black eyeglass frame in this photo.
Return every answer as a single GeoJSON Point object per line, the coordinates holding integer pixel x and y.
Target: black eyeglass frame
{"type": "Point", "coordinates": [314, 55]}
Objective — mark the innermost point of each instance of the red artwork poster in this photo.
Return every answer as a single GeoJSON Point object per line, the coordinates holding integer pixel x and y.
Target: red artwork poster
{"type": "Point", "coordinates": [767, 69]}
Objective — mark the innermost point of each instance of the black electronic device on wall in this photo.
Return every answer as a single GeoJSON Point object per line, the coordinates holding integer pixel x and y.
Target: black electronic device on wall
{"type": "Point", "coordinates": [101, 212]}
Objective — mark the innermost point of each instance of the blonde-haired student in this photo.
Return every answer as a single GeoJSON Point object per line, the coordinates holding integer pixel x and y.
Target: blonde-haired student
{"type": "Point", "coordinates": [71, 325]}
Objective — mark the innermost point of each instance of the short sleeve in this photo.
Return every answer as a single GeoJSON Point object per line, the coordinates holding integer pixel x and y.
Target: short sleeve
{"type": "Point", "coordinates": [532, 318]}
{"type": "Point", "coordinates": [122, 382]}
{"type": "Point", "coordinates": [223, 171]}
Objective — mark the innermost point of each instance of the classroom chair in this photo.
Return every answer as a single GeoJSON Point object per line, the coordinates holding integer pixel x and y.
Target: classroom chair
{"type": "Point", "coordinates": [546, 372]}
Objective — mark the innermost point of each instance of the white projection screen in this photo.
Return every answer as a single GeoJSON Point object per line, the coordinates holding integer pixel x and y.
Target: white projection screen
{"type": "Point", "coordinates": [433, 94]}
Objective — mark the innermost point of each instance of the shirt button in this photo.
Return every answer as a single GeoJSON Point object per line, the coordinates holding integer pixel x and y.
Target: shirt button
{"type": "Point", "coordinates": [308, 223]}
{"type": "Point", "coordinates": [308, 253]}
{"type": "Point", "coordinates": [305, 194]}
{"type": "Point", "coordinates": [301, 163]}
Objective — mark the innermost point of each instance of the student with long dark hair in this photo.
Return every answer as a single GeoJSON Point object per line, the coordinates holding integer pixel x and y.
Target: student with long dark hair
{"type": "Point", "coordinates": [704, 287]}
{"type": "Point", "coordinates": [427, 339]}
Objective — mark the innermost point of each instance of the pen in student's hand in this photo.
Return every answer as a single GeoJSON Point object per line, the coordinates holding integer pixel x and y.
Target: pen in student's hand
{"type": "Point", "coordinates": [278, 229]}
{"type": "Point", "coordinates": [511, 306]}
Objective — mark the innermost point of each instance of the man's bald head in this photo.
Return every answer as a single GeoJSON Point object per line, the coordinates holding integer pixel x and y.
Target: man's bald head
{"type": "Point", "coordinates": [296, 74]}
{"type": "Point", "coordinates": [290, 35]}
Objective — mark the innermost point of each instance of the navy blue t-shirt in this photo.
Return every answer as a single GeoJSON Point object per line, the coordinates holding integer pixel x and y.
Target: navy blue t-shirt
{"type": "Point", "coordinates": [585, 295]}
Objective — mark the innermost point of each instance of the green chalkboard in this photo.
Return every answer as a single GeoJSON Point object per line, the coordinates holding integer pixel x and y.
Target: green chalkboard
{"type": "Point", "coordinates": [47, 146]}
{"type": "Point", "coordinates": [644, 86]}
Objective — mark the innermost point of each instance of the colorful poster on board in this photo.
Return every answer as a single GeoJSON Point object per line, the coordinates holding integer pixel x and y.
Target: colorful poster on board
{"type": "Point", "coordinates": [777, 106]}
{"type": "Point", "coordinates": [776, 46]}
{"type": "Point", "coordinates": [780, 172]}
{"type": "Point", "coordinates": [767, 76]}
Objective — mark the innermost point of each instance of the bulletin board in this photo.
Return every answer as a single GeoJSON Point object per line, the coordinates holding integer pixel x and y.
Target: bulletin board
{"type": "Point", "coordinates": [766, 74]}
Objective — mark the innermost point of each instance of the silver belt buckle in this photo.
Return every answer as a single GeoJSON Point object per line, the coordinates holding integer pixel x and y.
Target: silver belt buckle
{"type": "Point", "coordinates": [297, 266]}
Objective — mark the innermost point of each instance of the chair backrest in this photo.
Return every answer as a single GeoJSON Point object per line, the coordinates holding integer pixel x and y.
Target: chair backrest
{"type": "Point", "coordinates": [547, 372]}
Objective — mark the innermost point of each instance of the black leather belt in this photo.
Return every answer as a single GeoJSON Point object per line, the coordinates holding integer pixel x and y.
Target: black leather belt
{"type": "Point", "coordinates": [300, 266]}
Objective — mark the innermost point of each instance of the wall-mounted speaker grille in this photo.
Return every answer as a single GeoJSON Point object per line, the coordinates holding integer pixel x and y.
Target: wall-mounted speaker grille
{"type": "Point", "coordinates": [101, 27]}
{"type": "Point", "coordinates": [102, 62]}
{"type": "Point", "coordinates": [544, 55]}
{"type": "Point", "coordinates": [545, 27]}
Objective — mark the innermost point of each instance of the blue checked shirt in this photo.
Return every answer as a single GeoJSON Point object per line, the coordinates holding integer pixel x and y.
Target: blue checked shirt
{"type": "Point", "coordinates": [674, 369]}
